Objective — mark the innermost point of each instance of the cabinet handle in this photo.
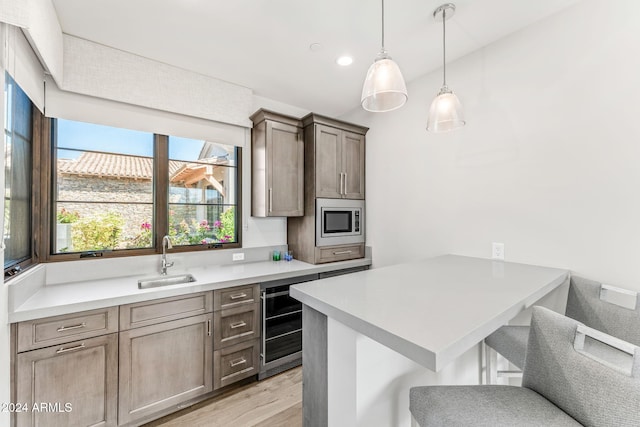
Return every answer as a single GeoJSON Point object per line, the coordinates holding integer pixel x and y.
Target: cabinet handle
{"type": "Point", "coordinates": [69, 328]}
{"type": "Point", "coordinates": [64, 350]}
{"type": "Point", "coordinates": [208, 327]}
{"type": "Point", "coordinates": [342, 252]}
{"type": "Point", "coordinates": [263, 347]}
{"type": "Point", "coordinates": [237, 362]}
{"type": "Point", "coordinates": [345, 184]}
{"type": "Point", "coordinates": [237, 325]}
{"type": "Point", "coordinates": [270, 200]}
{"type": "Point", "coordinates": [340, 191]}
{"type": "Point", "coordinates": [238, 296]}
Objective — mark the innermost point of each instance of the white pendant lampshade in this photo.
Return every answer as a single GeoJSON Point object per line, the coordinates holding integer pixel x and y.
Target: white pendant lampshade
{"type": "Point", "coordinates": [384, 88]}
{"type": "Point", "coordinates": [446, 111]}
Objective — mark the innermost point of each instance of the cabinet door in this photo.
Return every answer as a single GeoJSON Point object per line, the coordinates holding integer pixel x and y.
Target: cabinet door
{"type": "Point", "coordinates": [74, 384]}
{"type": "Point", "coordinates": [285, 171]}
{"type": "Point", "coordinates": [329, 178]}
{"type": "Point", "coordinates": [353, 165]}
{"type": "Point", "coordinates": [163, 365]}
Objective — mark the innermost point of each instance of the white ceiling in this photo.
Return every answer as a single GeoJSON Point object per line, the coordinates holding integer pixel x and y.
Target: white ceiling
{"type": "Point", "coordinates": [264, 44]}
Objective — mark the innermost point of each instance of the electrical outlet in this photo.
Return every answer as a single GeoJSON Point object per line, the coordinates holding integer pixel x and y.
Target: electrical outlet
{"type": "Point", "coordinates": [238, 256]}
{"type": "Point", "coordinates": [497, 251]}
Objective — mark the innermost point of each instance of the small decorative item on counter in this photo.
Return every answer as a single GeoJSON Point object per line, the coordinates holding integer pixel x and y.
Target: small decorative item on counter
{"type": "Point", "coordinates": [288, 255]}
{"type": "Point", "coordinates": [276, 255]}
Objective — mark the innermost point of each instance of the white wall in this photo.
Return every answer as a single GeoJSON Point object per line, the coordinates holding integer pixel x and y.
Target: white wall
{"type": "Point", "coordinates": [548, 163]}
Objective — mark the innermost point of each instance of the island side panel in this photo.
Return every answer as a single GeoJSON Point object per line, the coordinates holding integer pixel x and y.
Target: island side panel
{"type": "Point", "coordinates": [314, 368]}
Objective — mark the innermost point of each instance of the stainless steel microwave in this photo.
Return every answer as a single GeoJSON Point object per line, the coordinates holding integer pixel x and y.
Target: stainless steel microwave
{"type": "Point", "coordinates": [339, 222]}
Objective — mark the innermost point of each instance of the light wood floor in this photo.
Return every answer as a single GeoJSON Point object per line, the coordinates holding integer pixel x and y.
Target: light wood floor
{"type": "Point", "coordinates": [274, 402]}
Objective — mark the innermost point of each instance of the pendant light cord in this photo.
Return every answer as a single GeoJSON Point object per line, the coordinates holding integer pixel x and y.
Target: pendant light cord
{"type": "Point", "coordinates": [383, 25]}
{"type": "Point", "coordinates": [444, 47]}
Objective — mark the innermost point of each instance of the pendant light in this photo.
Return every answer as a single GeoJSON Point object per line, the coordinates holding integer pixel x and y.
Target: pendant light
{"type": "Point", "coordinates": [446, 112]}
{"type": "Point", "coordinates": [384, 88]}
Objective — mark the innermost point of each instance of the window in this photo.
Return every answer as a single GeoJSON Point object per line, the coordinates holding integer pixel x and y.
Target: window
{"type": "Point", "coordinates": [103, 198]}
{"type": "Point", "coordinates": [202, 192]}
{"type": "Point", "coordinates": [118, 191]}
{"type": "Point", "coordinates": [18, 143]}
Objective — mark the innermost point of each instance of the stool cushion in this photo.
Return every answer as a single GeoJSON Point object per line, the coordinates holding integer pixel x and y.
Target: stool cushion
{"type": "Point", "coordinates": [511, 342]}
{"type": "Point", "coordinates": [492, 406]}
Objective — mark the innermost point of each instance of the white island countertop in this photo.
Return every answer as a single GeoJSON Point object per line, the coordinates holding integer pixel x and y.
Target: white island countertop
{"type": "Point", "coordinates": [434, 310]}
{"type": "Point", "coordinates": [64, 298]}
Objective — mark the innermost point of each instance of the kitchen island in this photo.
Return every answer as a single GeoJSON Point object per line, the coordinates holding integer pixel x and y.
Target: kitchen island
{"type": "Point", "coordinates": [370, 336]}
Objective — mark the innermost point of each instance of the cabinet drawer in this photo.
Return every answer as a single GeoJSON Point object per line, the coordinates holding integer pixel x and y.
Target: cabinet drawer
{"type": "Point", "coordinates": [41, 333]}
{"type": "Point", "coordinates": [163, 310]}
{"type": "Point", "coordinates": [234, 297]}
{"type": "Point", "coordinates": [234, 363]}
{"type": "Point", "coordinates": [235, 325]}
{"type": "Point", "coordinates": [339, 253]}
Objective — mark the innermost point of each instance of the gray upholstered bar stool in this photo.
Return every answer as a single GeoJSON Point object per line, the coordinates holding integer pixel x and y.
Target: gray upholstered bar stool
{"type": "Point", "coordinates": [563, 384]}
{"type": "Point", "coordinates": [589, 302]}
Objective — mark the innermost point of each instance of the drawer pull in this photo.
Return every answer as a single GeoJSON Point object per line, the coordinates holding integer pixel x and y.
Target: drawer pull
{"type": "Point", "coordinates": [237, 362]}
{"type": "Point", "coordinates": [342, 252]}
{"type": "Point", "coordinates": [208, 327]}
{"type": "Point", "coordinates": [65, 350]}
{"type": "Point", "coordinates": [69, 328]}
{"type": "Point", "coordinates": [237, 325]}
{"type": "Point", "coordinates": [238, 296]}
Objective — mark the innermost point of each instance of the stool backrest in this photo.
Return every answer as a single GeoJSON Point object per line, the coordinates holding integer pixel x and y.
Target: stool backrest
{"type": "Point", "coordinates": [586, 303]}
{"type": "Point", "coordinates": [589, 390]}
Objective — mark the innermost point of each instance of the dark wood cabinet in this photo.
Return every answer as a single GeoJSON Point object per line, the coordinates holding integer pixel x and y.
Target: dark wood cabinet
{"type": "Point", "coordinates": [277, 162]}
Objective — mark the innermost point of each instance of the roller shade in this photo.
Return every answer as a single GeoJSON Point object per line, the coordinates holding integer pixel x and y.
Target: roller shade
{"type": "Point", "coordinates": [39, 21]}
{"type": "Point", "coordinates": [96, 70]}
{"type": "Point", "coordinates": [83, 108]}
{"type": "Point", "coordinates": [23, 65]}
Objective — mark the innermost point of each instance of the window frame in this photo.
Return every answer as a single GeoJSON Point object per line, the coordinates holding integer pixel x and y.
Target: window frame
{"type": "Point", "coordinates": [37, 121]}
{"type": "Point", "coordinates": [160, 204]}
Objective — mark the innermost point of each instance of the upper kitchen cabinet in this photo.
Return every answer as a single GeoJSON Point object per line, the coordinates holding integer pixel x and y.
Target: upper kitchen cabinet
{"type": "Point", "coordinates": [336, 156]}
{"type": "Point", "coordinates": [277, 158]}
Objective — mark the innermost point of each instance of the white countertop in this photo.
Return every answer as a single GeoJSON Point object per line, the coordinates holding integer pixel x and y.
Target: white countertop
{"type": "Point", "coordinates": [434, 310]}
{"type": "Point", "coordinates": [53, 300]}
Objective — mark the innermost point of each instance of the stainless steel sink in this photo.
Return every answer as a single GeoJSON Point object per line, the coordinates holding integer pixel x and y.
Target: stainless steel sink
{"type": "Point", "coordinates": [154, 282]}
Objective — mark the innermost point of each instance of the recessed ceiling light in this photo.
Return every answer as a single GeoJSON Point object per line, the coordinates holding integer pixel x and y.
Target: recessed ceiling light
{"type": "Point", "coordinates": [344, 60]}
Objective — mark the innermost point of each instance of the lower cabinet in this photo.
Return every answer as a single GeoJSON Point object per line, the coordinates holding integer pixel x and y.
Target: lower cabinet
{"type": "Point", "coordinates": [164, 365]}
{"type": "Point", "coordinates": [126, 365]}
{"type": "Point", "coordinates": [236, 334]}
{"type": "Point", "coordinates": [72, 384]}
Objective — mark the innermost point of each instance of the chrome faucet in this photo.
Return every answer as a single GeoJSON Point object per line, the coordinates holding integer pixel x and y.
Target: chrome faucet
{"type": "Point", "coordinates": [166, 244]}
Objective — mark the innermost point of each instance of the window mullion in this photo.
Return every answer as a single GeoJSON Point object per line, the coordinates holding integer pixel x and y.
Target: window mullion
{"type": "Point", "coordinates": [40, 186]}
{"type": "Point", "coordinates": [161, 189]}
